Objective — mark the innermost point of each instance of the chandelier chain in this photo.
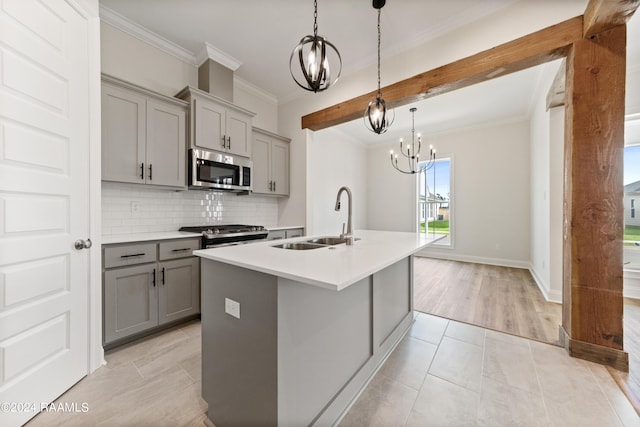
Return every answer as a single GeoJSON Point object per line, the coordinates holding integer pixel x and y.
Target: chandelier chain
{"type": "Point", "coordinates": [315, 17]}
{"type": "Point", "coordinates": [379, 94]}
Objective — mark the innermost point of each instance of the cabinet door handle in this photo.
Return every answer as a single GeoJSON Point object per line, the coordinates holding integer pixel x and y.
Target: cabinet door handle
{"type": "Point", "coordinates": [132, 255]}
{"type": "Point", "coordinates": [150, 172]}
{"type": "Point", "coordinates": [274, 186]}
{"type": "Point", "coordinates": [270, 185]}
{"type": "Point", "coordinates": [163, 276]}
{"type": "Point", "coordinates": [142, 170]}
{"type": "Point", "coordinates": [229, 142]}
{"type": "Point", "coordinates": [180, 250]}
{"type": "Point", "coordinates": [153, 280]}
{"type": "Point", "coordinates": [224, 141]}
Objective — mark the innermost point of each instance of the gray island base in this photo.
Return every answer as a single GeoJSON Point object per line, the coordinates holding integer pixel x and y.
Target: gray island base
{"type": "Point", "coordinates": [296, 353]}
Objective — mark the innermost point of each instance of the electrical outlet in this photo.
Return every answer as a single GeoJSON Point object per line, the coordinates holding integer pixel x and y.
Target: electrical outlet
{"type": "Point", "coordinates": [232, 307]}
{"type": "Point", "coordinates": [135, 208]}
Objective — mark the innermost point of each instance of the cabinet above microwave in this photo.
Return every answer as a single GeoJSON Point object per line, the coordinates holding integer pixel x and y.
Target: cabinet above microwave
{"type": "Point", "coordinates": [217, 125]}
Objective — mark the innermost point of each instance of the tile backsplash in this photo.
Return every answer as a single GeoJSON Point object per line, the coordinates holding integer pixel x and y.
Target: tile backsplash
{"type": "Point", "coordinates": [130, 209]}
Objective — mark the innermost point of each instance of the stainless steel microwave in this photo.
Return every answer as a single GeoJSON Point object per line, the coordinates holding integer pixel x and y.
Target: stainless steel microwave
{"type": "Point", "coordinates": [218, 171]}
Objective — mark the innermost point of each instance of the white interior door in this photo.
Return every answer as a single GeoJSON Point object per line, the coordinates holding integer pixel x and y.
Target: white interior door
{"type": "Point", "coordinates": [44, 203]}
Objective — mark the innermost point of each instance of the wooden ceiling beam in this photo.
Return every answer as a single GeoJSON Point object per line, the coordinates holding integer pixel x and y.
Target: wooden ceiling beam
{"type": "Point", "coordinates": [533, 49]}
{"type": "Point", "coordinates": [603, 15]}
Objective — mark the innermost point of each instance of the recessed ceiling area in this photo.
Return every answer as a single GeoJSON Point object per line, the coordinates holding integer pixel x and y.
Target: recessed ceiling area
{"type": "Point", "coordinates": [508, 97]}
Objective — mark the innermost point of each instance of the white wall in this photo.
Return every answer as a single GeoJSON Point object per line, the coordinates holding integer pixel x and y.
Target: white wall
{"type": "Point", "coordinates": [263, 104]}
{"type": "Point", "coordinates": [547, 167]}
{"type": "Point", "coordinates": [391, 195]}
{"type": "Point", "coordinates": [136, 61]}
{"type": "Point", "coordinates": [490, 194]}
{"type": "Point", "coordinates": [556, 205]}
{"type": "Point", "coordinates": [335, 160]}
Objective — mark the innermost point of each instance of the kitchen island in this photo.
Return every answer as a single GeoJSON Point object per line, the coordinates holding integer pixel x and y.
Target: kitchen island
{"type": "Point", "coordinates": [290, 337]}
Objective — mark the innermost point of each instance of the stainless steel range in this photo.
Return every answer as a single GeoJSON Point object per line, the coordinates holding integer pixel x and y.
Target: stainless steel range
{"type": "Point", "coordinates": [215, 236]}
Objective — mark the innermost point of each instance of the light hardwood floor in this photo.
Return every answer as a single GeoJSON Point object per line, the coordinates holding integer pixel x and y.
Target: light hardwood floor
{"type": "Point", "coordinates": [499, 298]}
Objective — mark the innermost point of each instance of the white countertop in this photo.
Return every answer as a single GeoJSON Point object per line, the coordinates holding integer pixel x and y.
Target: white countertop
{"type": "Point", "coordinates": [145, 237]}
{"type": "Point", "coordinates": [334, 268]}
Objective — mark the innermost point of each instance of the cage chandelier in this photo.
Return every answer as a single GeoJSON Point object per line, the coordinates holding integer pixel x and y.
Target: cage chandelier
{"type": "Point", "coordinates": [314, 52]}
{"type": "Point", "coordinates": [411, 153]}
{"type": "Point", "coordinates": [376, 117]}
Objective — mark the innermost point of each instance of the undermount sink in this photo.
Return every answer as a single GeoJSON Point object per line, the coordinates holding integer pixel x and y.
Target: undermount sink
{"type": "Point", "coordinates": [300, 246]}
{"type": "Point", "coordinates": [332, 240]}
{"type": "Point", "coordinates": [319, 242]}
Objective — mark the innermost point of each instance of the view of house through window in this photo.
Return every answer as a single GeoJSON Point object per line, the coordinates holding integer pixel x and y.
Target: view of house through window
{"type": "Point", "coordinates": [434, 200]}
{"type": "Point", "coordinates": [631, 200]}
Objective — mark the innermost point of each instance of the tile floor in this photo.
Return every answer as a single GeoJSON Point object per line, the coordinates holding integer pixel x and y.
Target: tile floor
{"type": "Point", "coordinates": [443, 373]}
{"type": "Point", "coordinates": [446, 373]}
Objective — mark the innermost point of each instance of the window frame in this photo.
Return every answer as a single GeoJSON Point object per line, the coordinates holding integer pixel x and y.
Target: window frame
{"type": "Point", "coordinates": [451, 202]}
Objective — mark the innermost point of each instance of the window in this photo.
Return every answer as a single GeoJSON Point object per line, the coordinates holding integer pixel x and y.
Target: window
{"type": "Point", "coordinates": [434, 200]}
{"type": "Point", "coordinates": [631, 238]}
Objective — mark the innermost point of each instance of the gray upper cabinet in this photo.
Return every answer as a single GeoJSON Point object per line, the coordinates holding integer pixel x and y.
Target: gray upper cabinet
{"type": "Point", "coordinates": [216, 124]}
{"type": "Point", "coordinates": [143, 136]}
{"type": "Point", "coordinates": [270, 173]}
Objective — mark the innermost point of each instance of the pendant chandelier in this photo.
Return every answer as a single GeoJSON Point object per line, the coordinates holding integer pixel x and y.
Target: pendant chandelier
{"type": "Point", "coordinates": [411, 153]}
{"type": "Point", "coordinates": [313, 73]}
{"type": "Point", "coordinates": [376, 117]}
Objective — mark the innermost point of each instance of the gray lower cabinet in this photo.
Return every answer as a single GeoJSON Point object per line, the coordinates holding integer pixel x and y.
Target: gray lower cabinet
{"type": "Point", "coordinates": [285, 234]}
{"type": "Point", "coordinates": [148, 285]}
{"type": "Point", "coordinates": [294, 232]}
{"type": "Point", "coordinates": [130, 301]}
{"type": "Point", "coordinates": [179, 289]}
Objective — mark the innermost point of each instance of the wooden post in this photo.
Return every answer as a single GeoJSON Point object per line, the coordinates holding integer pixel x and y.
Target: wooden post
{"type": "Point", "coordinates": [593, 222]}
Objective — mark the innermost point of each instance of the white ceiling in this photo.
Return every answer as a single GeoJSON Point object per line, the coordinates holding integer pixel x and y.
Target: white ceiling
{"type": "Point", "coordinates": [261, 35]}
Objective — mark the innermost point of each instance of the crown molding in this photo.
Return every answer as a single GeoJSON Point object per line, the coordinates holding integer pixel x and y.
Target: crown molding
{"type": "Point", "coordinates": [254, 90]}
{"type": "Point", "coordinates": [136, 30]}
{"type": "Point", "coordinates": [209, 51]}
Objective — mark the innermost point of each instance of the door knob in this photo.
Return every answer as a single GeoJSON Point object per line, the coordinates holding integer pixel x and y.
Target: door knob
{"type": "Point", "coordinates": [82, 244]}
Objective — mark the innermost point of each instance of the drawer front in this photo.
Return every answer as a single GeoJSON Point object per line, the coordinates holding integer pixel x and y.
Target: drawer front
{"type": "Point", "coordinates": [295, 232]}
{"type": "Point", "coordinates": [120, 256]}
{"type": "Point", "coordinates": [178, 248]}
{"type": "Point", "coordinates": [277, 235]}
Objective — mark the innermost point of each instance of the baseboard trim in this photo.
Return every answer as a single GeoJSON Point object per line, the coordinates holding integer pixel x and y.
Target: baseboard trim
{"type": "Point", "coordinates": [541, 285]}
{"type": "Point", "coordinates": [617, 359]}
{"type": "Point", "coordinates": [475, 259]}
{"type": "Point", "coordinates": [549, 296]}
